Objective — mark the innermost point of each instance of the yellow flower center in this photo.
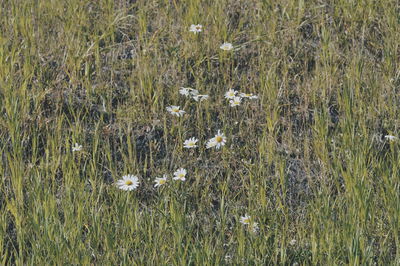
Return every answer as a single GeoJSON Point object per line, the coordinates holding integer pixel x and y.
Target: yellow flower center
{"type": "Point", "coordinates": [128, 183]}
{"type": "Point", "coordinates": [218, 139]}
{"type": "Point", "coordinates": [162, 181]}
{"type": "Point", "coordinates": [198, 27]}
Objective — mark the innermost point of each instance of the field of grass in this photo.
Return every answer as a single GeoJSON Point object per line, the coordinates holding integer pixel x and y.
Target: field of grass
{"type": "Point", "coordinates": [308, 160]}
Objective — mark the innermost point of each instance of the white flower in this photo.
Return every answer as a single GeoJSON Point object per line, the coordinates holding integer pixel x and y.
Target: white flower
{"type": "Point", "coordinates": [174, 110]}
{"type": "Point", "coordinates": [194, 92]}
{"type": "Point", "coordinates": [184, 91]}
{"type": "Point", "coordinates": [248, 95]}
{"type": "Point", "coordinates": [189, 92]}
{"type": "Point", "coordinates": [217, 141]}
{"type": "Point", "coordinates": [230, 94]}
{"type": "Point", "coordinates": [160, 181]}
{"type": "Point", "coordinates": [226, 46]}
{"type": "Point", "coordinates": [180, 174]}
{"type": "Point", "coordinates": [390, 137]}
{"type": "Point", "coordinates": [190, 143]}
{"type": "Point", "coordinates": [196, 28]}
{"type": "Point", "coordinates": [128, 182]}
{"type": "Point", "coordinates": [200, 97]}
{"type": "Point", "coordinates": [235, 101]}
{"type": "Point", "coordinates": [293, 242]}
{"type": "Point", "coordinates": [246, 219]}
{"type": "Point", "coordinates": [76, 147]}
{"type": "Point", "coordinates": [211, 143]}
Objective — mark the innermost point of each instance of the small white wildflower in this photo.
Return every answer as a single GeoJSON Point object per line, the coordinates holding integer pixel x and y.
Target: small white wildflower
{"type": "Point", "coordinates": [211, 143]}
{"type": "Point", "coordinates": [190, 92]}
{"type": "Point", "coordinates": [196, 28]}
{"type": "Point", "coordinates": [160, 181]}
{"type": "Point", "coordinates": [230, 94]}
{"type": "Point", "coordinates": [184, 91]}
{"type": "Point", "coordinates": [248, 95]}
{"type": "Point", "coordinates": [235, 101]}
{"type": "Point", "coordinates": [226, 46]}
{"type": "Point", "coordinates": [180, 174]}
{"type": "Point", "coordinates": [390, 137]}
{"type": "Point", "coordinates": [128, 182]}
{"type": "Point", "coordinates": [200, 97]}
{"type": "Point", "coordinates": [217, 141]}
{"type": "Point", "coordinates": [174, 110]}
{"type": "Point", "coordinates": [190, 143]}
{"type": "Point", "coordinates": [293, 242]}
{"type": "Point", "coordinates": [194, 92]}
{"type": "Point", "coordinates": [76, 147]}
{"type": "Point", "coordinates": [246, 219]}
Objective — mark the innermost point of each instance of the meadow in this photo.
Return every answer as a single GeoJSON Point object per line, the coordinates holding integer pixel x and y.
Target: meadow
{"type": "Point", "coordinates": [301, 168]}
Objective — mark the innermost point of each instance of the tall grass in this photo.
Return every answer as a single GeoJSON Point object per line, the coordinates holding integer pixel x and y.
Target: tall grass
{"type": "Point", "coordinates": [308, 160]}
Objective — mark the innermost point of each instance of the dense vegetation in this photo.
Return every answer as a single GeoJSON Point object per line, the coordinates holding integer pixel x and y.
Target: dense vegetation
{"type": "Point", "coordinates": [314, 160]}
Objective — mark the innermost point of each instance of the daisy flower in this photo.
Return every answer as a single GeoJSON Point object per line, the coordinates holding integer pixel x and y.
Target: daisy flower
{"type": "Point", "coordinates": [185, 91]}
{"type": "Point", "coordinates": [174, 110]}
{"type": "Point", "coordinates": [211, 143]}
{"type": "Point", "coordinates": [248, 95]}
{"type": "Point", "coordinates": [160, 181]}
{"type": "Point", "coordinates": [180, 174]}
{"type": "Point", "coordinates": [217, 141]}
{"type": "Point", "coordinates": [235, 101]}
{"type": "Point", "coordinates": [76, 147]}
{"type": "Point", "coordinates": [200, 97]}
{"type": "Point", "coordinates": [196, 28]}
{"type": "Point", "coordinates": [230, 94]}
{"type": "Point", "coordinates": [390, 137]}
{"type": "Point", "coordinates": [226, 46]}
{"type": "Point", "coordinates": [246, 219]}
{"type": "Point", "coordinates": [190, 143]}
{"type": "Point", "coordinates": [189, 92]}
{"type": "Point", "coordinates": [128, 182]}
{"type": "Point", "coordinates": [194, 92]}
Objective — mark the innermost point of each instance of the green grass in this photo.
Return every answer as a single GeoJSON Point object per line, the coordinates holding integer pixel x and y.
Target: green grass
{"type": "Point", "coordinates": [308, 160]}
